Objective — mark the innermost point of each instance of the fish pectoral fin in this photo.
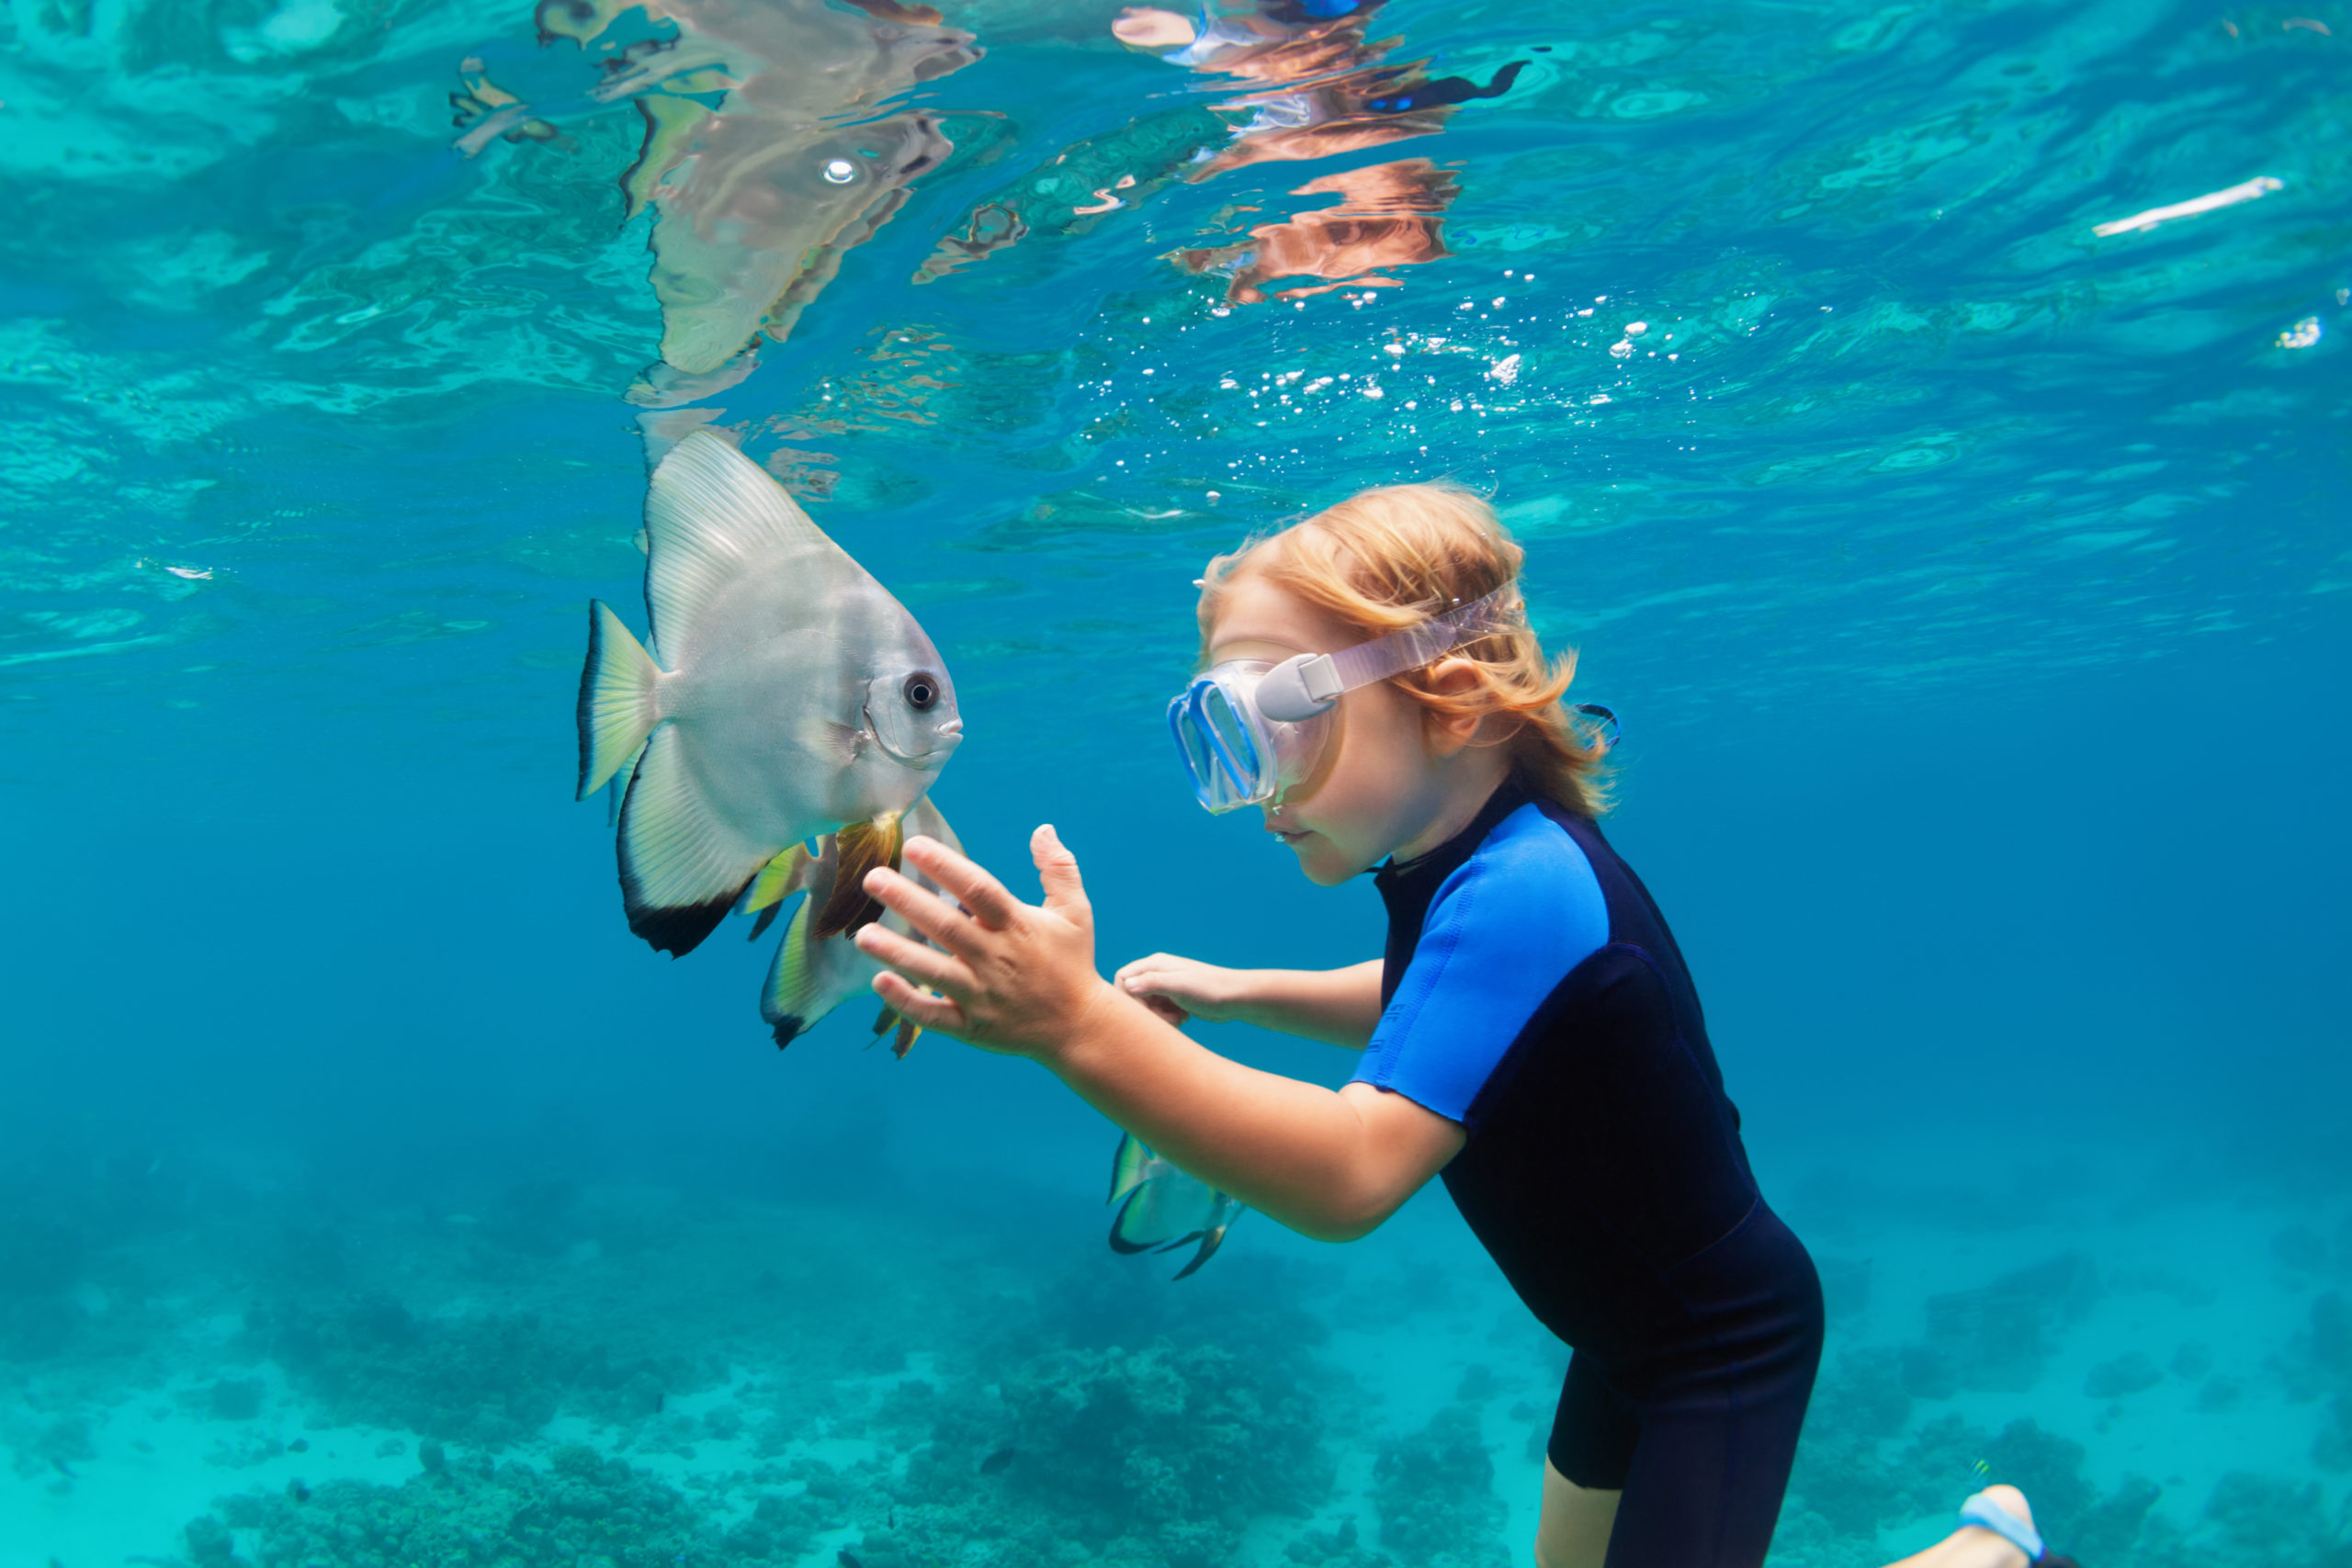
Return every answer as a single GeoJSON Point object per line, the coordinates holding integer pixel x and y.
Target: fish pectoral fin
{"type": "Point", "coordinates": [794, 871]}
{"type": "Point", "coordinates": [616, 707]}
{"type": "Point", "coordinates": [862, 846]}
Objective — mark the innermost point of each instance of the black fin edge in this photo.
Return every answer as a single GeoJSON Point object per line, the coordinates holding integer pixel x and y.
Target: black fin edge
{"type": "Point", "coordinates": [1210, 1241]}
{"type": "Point", "coordinates": [789, 1029]}
{"type": "Point", "coordinates": [679, 929]}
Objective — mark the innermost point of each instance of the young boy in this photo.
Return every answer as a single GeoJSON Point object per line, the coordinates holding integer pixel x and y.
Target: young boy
{"type": "Point", "coordinates": [1372, 685]}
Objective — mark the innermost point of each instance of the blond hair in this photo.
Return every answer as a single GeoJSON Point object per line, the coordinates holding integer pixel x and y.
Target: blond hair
{"type": "Point", "coordinates": [1387, 559]}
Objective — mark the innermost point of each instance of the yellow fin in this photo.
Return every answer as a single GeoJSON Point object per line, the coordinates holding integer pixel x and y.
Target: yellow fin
{"type": "Point", "coordinates": [909, 1033]}
{"type": "Point", "coordinates": [789, 873]}
{"type": "Point", "coordinates": [862, 846]}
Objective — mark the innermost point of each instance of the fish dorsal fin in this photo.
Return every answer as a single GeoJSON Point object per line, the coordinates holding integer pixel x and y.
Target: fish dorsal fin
{"type": "Point", "coordinates": [712, 515]}
{"type": "Point", "coordinates": [1130, 1167]}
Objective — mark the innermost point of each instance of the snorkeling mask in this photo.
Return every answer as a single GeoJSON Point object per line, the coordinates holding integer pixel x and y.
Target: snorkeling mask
{"type": "Point", "coordinates": [1249, 729]}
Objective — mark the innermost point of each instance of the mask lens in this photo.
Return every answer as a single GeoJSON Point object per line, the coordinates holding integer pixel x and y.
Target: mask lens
{"type": "Point", "coordinates": [1193, 744]}
{"type": "Point", "coordinates": [1224, 754]}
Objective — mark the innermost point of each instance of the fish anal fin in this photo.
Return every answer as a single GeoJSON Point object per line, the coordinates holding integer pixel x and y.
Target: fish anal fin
{"type": "Point", "coordinates": [682, 868]}
{"type": "Point", "coordinates": [678, 928]}
{"type": "Point", "coordinates": [1119, 1243]}
{"type": "Point", "coordinates": [909, 1033]}
{"type": "Point", "coordinates": [862, 846]}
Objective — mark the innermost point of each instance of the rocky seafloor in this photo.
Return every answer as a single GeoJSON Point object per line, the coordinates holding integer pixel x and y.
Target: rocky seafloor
{"type": "Point", "coordinates": [546, 1371]}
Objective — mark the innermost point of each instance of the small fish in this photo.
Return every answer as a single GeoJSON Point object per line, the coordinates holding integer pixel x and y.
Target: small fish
{"type": "Point", "coordinates": [794, 697]}
{"type": "Point", "coordinates": [1000, 1461]}
{"type": "Point", "coordinates": [811, 975]}
{"type": "Point", "coordinates": [1162, 1208]}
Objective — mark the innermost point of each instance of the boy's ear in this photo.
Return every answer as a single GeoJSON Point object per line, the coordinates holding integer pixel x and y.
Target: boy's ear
{"type": "Point", "coordinates": [1449, 732]}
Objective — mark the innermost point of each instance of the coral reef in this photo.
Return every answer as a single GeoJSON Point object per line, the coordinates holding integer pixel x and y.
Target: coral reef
{"type": "Point", "coordinates": [484, 1380]}
{"type": "Point", "coordinates": [581, 1509]}
{"type": "Point", "coordinates": [1435, 1490]}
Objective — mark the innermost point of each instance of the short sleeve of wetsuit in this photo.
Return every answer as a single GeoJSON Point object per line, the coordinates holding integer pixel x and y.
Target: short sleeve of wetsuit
{"type": "Point", "coordinates": [1503, 930]}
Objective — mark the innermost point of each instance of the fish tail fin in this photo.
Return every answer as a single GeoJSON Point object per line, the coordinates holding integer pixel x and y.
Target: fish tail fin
{"type": "Point", "coordinates": [1128, 1167]}
{"type": "Point", "coordinates": [862, 846]}
{"type": "Point", "coordinates": [616, 706]}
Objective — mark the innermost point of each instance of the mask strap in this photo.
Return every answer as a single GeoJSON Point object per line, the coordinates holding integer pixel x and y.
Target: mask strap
{"type": "Point", "coordinates": [1299, 688]}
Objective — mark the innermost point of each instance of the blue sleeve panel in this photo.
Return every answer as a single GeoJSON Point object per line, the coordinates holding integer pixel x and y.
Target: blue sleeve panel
{"type": "Point", "coordinates": [1503, 930]}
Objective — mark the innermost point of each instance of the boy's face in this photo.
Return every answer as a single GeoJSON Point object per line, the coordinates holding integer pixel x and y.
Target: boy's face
{"type": "Point", "coordinates": [1378, 785]}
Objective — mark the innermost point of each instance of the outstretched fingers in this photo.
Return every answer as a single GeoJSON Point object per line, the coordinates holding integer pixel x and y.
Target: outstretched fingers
{"type": "Point", "coordinates": [942, 970]}
{"type": "Point", "coordinates": [989, 900]}
{"type": "Point", "coordinates": [918, 1006]}
{"type": "Point", "coordinates": [919, 908]}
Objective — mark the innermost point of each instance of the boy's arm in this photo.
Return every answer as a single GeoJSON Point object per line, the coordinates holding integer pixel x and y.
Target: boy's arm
{"type": "Point", "coordinates": [1338, 1007]}
{"type": "Point", "coordinates": [1021, 979]}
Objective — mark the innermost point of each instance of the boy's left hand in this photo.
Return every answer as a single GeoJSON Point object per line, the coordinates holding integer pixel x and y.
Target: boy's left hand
{"type": "Point", "coordinates": [1016, 977]}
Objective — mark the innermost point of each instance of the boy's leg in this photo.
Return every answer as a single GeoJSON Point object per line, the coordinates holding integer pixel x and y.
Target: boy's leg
{"type": "Point", "coordinates": [1972, 1546]}
{"type": "Point", "coordinates": [1573, 1531]}
{"type": "Point", "coordinates": [1594, 1434]}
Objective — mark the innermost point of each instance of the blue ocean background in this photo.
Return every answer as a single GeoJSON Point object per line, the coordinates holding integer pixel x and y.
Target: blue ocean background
{"type": "Point", "coordinates": [1973, 587]}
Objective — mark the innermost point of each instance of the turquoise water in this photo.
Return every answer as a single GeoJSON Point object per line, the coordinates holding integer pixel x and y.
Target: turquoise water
{"type": "Point", "coordinates": [1973, 583]}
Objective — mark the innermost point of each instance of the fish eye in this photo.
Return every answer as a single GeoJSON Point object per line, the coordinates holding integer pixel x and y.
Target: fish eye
{"type": "Point", "coordinates": [920, 689]}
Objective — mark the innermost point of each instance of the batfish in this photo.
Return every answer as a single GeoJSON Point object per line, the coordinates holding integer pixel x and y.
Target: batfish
{"type": "Point", "coordinates": [794, 697]}
{"type": "Point", "coordinates": [811, 975]}
{"type": "Point", "coordinates": [1162, 1208]}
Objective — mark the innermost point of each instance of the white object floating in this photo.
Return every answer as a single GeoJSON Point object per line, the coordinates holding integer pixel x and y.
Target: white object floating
{"type": "Point", "coordinates": [2303, 334]}
{"type": "Point", "coordinates": [1635, 329]}
{"type": "Point", "coordinates": [1506, 370]}
{"type": "Point", "coordinates": [2258, 186]}
{"type": "Point", "coordinates": [840, 172]}
{"type": "Point", "coordinates": [1621, 349]}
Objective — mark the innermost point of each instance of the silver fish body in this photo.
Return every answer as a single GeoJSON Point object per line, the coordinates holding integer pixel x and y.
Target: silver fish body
{"type": "Point", "coordinates": [1162, 1208]}
{"type": "Point", "coordinates": [795, 696]}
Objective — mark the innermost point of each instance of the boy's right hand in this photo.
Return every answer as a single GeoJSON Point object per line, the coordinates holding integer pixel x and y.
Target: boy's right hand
{"type": "Point", "coordinates": [1178, 988]}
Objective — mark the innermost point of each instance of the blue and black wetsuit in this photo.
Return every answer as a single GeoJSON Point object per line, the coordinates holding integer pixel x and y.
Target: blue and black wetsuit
{"type": "Point", "coordinates": [1532, 992]}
